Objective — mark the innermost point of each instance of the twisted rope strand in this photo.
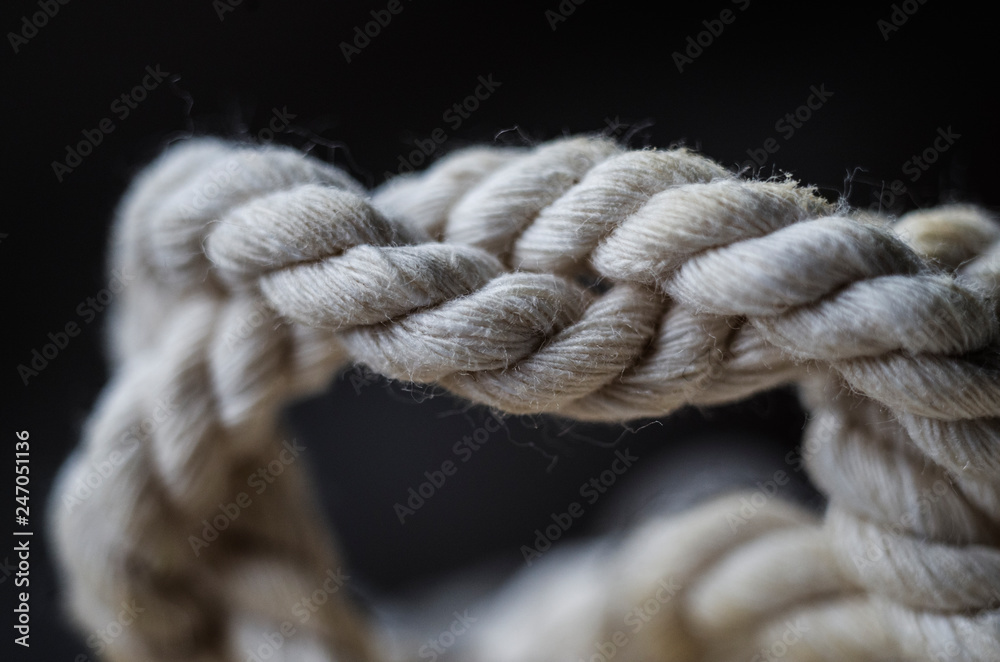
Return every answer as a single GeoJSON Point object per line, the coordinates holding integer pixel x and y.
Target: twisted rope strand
{"type": "Point", "coordinates": [574, 278]}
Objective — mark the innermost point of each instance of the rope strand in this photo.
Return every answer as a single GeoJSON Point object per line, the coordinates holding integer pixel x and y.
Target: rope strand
{"type": "Point", "coordinates": [577, 279]}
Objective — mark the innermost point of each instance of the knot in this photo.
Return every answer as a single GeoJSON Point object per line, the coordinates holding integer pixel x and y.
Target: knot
{"type": "Point", "coordinates": [576, 278]}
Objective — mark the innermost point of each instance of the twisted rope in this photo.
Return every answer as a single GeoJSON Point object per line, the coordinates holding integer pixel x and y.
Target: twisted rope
{"type": "Point", "coordinates": [578, 279]}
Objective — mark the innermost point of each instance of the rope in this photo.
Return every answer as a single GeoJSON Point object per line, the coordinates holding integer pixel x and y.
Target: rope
{"type": "Point", "coordinates": [577, 279]}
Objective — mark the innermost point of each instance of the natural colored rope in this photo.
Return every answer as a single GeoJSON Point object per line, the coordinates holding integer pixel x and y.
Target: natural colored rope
{"type": "Point", "coordinates": [578, 279]}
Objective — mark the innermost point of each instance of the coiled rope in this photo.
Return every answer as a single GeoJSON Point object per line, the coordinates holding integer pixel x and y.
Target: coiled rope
{"type": "Point", "coordinates": [578, 279]}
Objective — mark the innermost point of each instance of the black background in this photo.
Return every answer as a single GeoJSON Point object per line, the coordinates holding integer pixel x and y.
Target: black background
{"type": "Point", "coordinates": [370, 441]}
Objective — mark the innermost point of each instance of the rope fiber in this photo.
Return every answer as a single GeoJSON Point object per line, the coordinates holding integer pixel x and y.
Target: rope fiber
{"type": "Point", "coordinates": [578, 279]}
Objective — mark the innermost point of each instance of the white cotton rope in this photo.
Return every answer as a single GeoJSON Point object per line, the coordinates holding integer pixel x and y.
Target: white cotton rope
{"type": "Point", "coordinates": [578, 279]}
